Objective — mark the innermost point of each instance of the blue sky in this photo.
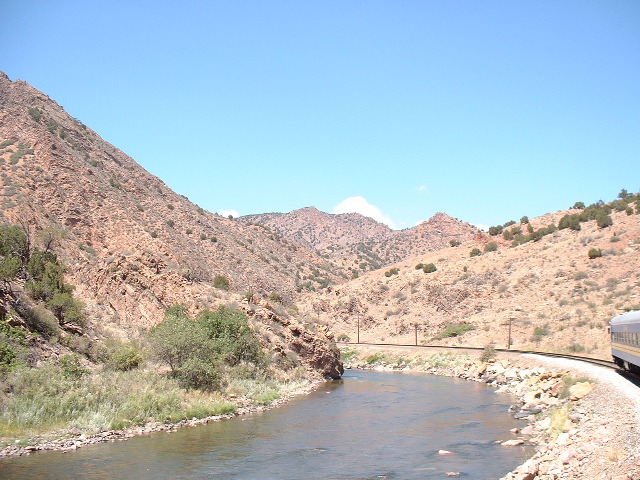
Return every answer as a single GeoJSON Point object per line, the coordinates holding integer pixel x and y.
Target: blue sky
{"type": "Point", "coordinates": [485, 110]}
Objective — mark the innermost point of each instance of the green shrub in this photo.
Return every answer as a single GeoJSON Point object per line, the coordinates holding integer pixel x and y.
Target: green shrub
{"type": "Point", "coordinates": [233, 339]}
{"type": "Point", "coordinates": [580, 275]}
{"type": "Point", "coordinates": [343, 337]}
{"type": "Point", "coordinates": [393, 271]}
{"type": "Point", "coordinates": [491, 247]}
{"type": "Point", "coordinates": [348, 354]}
{"type": "Point", "coordinates": [579, 205]}
{"type": "Point", "coordinates": [576, 348]}
{"type": "Point", "coordinates": [454, 243]}
{"type": "Point", "coordinates": [8, 355]}
{"type": "Point", "coordinates": [456, 330]}
{"type": "Point", "coordinates": [35, 113]}
{"type": "Point", "coordinates": [72, 368]}
{"type": "Point", "coordinates": [124, 356]}
{"type": "Point", "coordinates": [419, 266]}
{"type": "Point", "coordinates": [524, 219]}
{"type": "Point", "coordinates": [570, 221]}
{"type": "Point", "coordinates": [221, 282]}
{"type": "Point", "coordinates": [66, 308]}
{"type": "Point", "coordinates": [594, 253]}
{"type": "Point", "coordinates": [475, 252]}
{"type": "Point", "coordinates": [375, 359]}
{"type": "Point", "coordinates": [496, 230]}
{"type": "Point", "coordinates": [429, 268]}
{"type": "Point", "coordinates": [275, 297]}
{"type": "Point", "coordinates": [603, 220]}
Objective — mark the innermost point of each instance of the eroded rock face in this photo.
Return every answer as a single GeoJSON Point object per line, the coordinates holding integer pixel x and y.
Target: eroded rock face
{"type": "Point", "coordinates": [132, 246]}
{"type": "Point", "coordinates": [287, 335]}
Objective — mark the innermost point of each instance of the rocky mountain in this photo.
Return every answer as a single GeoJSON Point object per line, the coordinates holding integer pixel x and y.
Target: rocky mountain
{"type": "Point", "coordinates": [356, 243]}
{"type": "Point", "coordinates": [132, 246]}
{"type": "Point", "coordinates": [552, 283]}
{"type": "Point", "coordinates": [325, 232]}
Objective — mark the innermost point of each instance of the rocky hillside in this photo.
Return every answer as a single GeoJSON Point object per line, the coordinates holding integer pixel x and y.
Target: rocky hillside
{"type": "Point", "coordinates": [557, 288]}
{"type": "Point", "coordinates": [353, 243]}
{"type": "Point", "coordinates": [132, 246]}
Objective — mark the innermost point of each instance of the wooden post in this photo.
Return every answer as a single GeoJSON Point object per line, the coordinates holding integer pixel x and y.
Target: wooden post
{"type": "Point", "coordinates": [358, 320]}
{"type": "Point", "coordinates": [416, 325]}
{"type": "Point", "coordinates": [509, 345]}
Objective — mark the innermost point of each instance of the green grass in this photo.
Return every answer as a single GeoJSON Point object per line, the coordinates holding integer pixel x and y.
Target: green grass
{"type": "Point", "coordinates": [45, 399]}
{"type": "Point", "coordinates": [348, 354]}
{"type": "Point", "coordinates": [456, 330]}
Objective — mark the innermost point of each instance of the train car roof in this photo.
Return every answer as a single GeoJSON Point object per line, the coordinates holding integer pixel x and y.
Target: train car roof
{"type": "Point", "coordinates": [628, 317]}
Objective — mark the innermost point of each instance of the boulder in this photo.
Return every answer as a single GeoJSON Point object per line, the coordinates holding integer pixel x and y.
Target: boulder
{"type": "Point", "coordinates": [579, 390]}
{"type": "Point", "coordinates": [513, 442]}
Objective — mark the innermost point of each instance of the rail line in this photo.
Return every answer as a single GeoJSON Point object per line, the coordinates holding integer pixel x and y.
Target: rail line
{"type": "Point", "coordinates": [595, 361]}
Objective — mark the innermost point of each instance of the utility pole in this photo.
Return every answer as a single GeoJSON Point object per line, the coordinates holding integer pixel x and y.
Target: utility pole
{"type": "Point", "coordinates": [416, 325]}
{"type": "Point", "coordinates": [358, 320]}
{"type": "Point", "coordinates": [509, 345]}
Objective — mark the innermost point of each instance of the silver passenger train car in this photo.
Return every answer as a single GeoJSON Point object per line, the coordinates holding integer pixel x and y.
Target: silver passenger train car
{"type": "Point", "coordinates": [625, 341]}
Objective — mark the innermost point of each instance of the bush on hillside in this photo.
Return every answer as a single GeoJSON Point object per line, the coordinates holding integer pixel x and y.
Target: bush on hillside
{"type": "Point", "coordinates": [491, 247]}
{"type": "Point", "coordinates": [603, 220]}
{"type": "Point", "coordinates": [221, 282]}
{"type": "Point", "coordinates": [571, 221]}
{"type": "Point", "coordinates": [429, 268]}
{"type": "Point", "coordinates": [475, 252]}
{"type": "Point", "coordinates": [594, 253]}
{"type": "Point", "coordinates": [456, 330]}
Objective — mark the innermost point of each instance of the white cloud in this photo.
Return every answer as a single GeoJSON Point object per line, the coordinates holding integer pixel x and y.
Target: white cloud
{"type": "Point", "coordinates": [226, 213]}
{"type": "Point", "coordinates": [360, 205]}
{"type": "Point", "coordinates": [422, 188]}
{"type": "Point", "coordinates": [484, 228]}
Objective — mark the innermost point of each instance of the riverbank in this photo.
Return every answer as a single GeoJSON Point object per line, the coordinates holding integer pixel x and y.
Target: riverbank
{"type": "Point", "coordinates": [69, 440]}
{"type": "Point", "coordinates": [584, 420]}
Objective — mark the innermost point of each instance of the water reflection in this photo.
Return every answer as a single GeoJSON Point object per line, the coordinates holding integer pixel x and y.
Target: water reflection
{"type": "Point", "coordinates": [368, 425]}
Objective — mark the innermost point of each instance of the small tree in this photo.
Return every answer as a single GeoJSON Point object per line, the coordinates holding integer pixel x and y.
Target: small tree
{"type": "Point", "coordinates": [578, 205]}
{"type": "Point", "coordinates": [475, 252]}
{"type": "Point", "coordinates": [524, 219]}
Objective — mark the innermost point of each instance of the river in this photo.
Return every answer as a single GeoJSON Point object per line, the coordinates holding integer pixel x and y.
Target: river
{"type": "Point", "coordinates": [369, 425]}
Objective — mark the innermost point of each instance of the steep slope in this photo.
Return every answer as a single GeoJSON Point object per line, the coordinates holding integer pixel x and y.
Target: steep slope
{"type": "Point", "coordinates": [551, 292]}
{"type": "Point", "coordinates": [133, 246]}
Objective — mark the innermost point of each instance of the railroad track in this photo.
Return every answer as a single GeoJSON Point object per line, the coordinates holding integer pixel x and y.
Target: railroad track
{"type": "Point", "coordinates": [595, 361]}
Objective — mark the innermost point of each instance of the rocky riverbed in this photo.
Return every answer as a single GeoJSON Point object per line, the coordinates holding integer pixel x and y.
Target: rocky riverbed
{"type": "Point", "coordinates": [583, 419]}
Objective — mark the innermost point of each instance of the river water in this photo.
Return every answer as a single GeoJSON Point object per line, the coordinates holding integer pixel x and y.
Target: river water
{"type": "Point", "coordinates": [369, 425]}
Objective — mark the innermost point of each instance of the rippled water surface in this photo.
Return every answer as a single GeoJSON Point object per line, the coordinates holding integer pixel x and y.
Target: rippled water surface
{"type": "Point", "coordinates": [369, 425]}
